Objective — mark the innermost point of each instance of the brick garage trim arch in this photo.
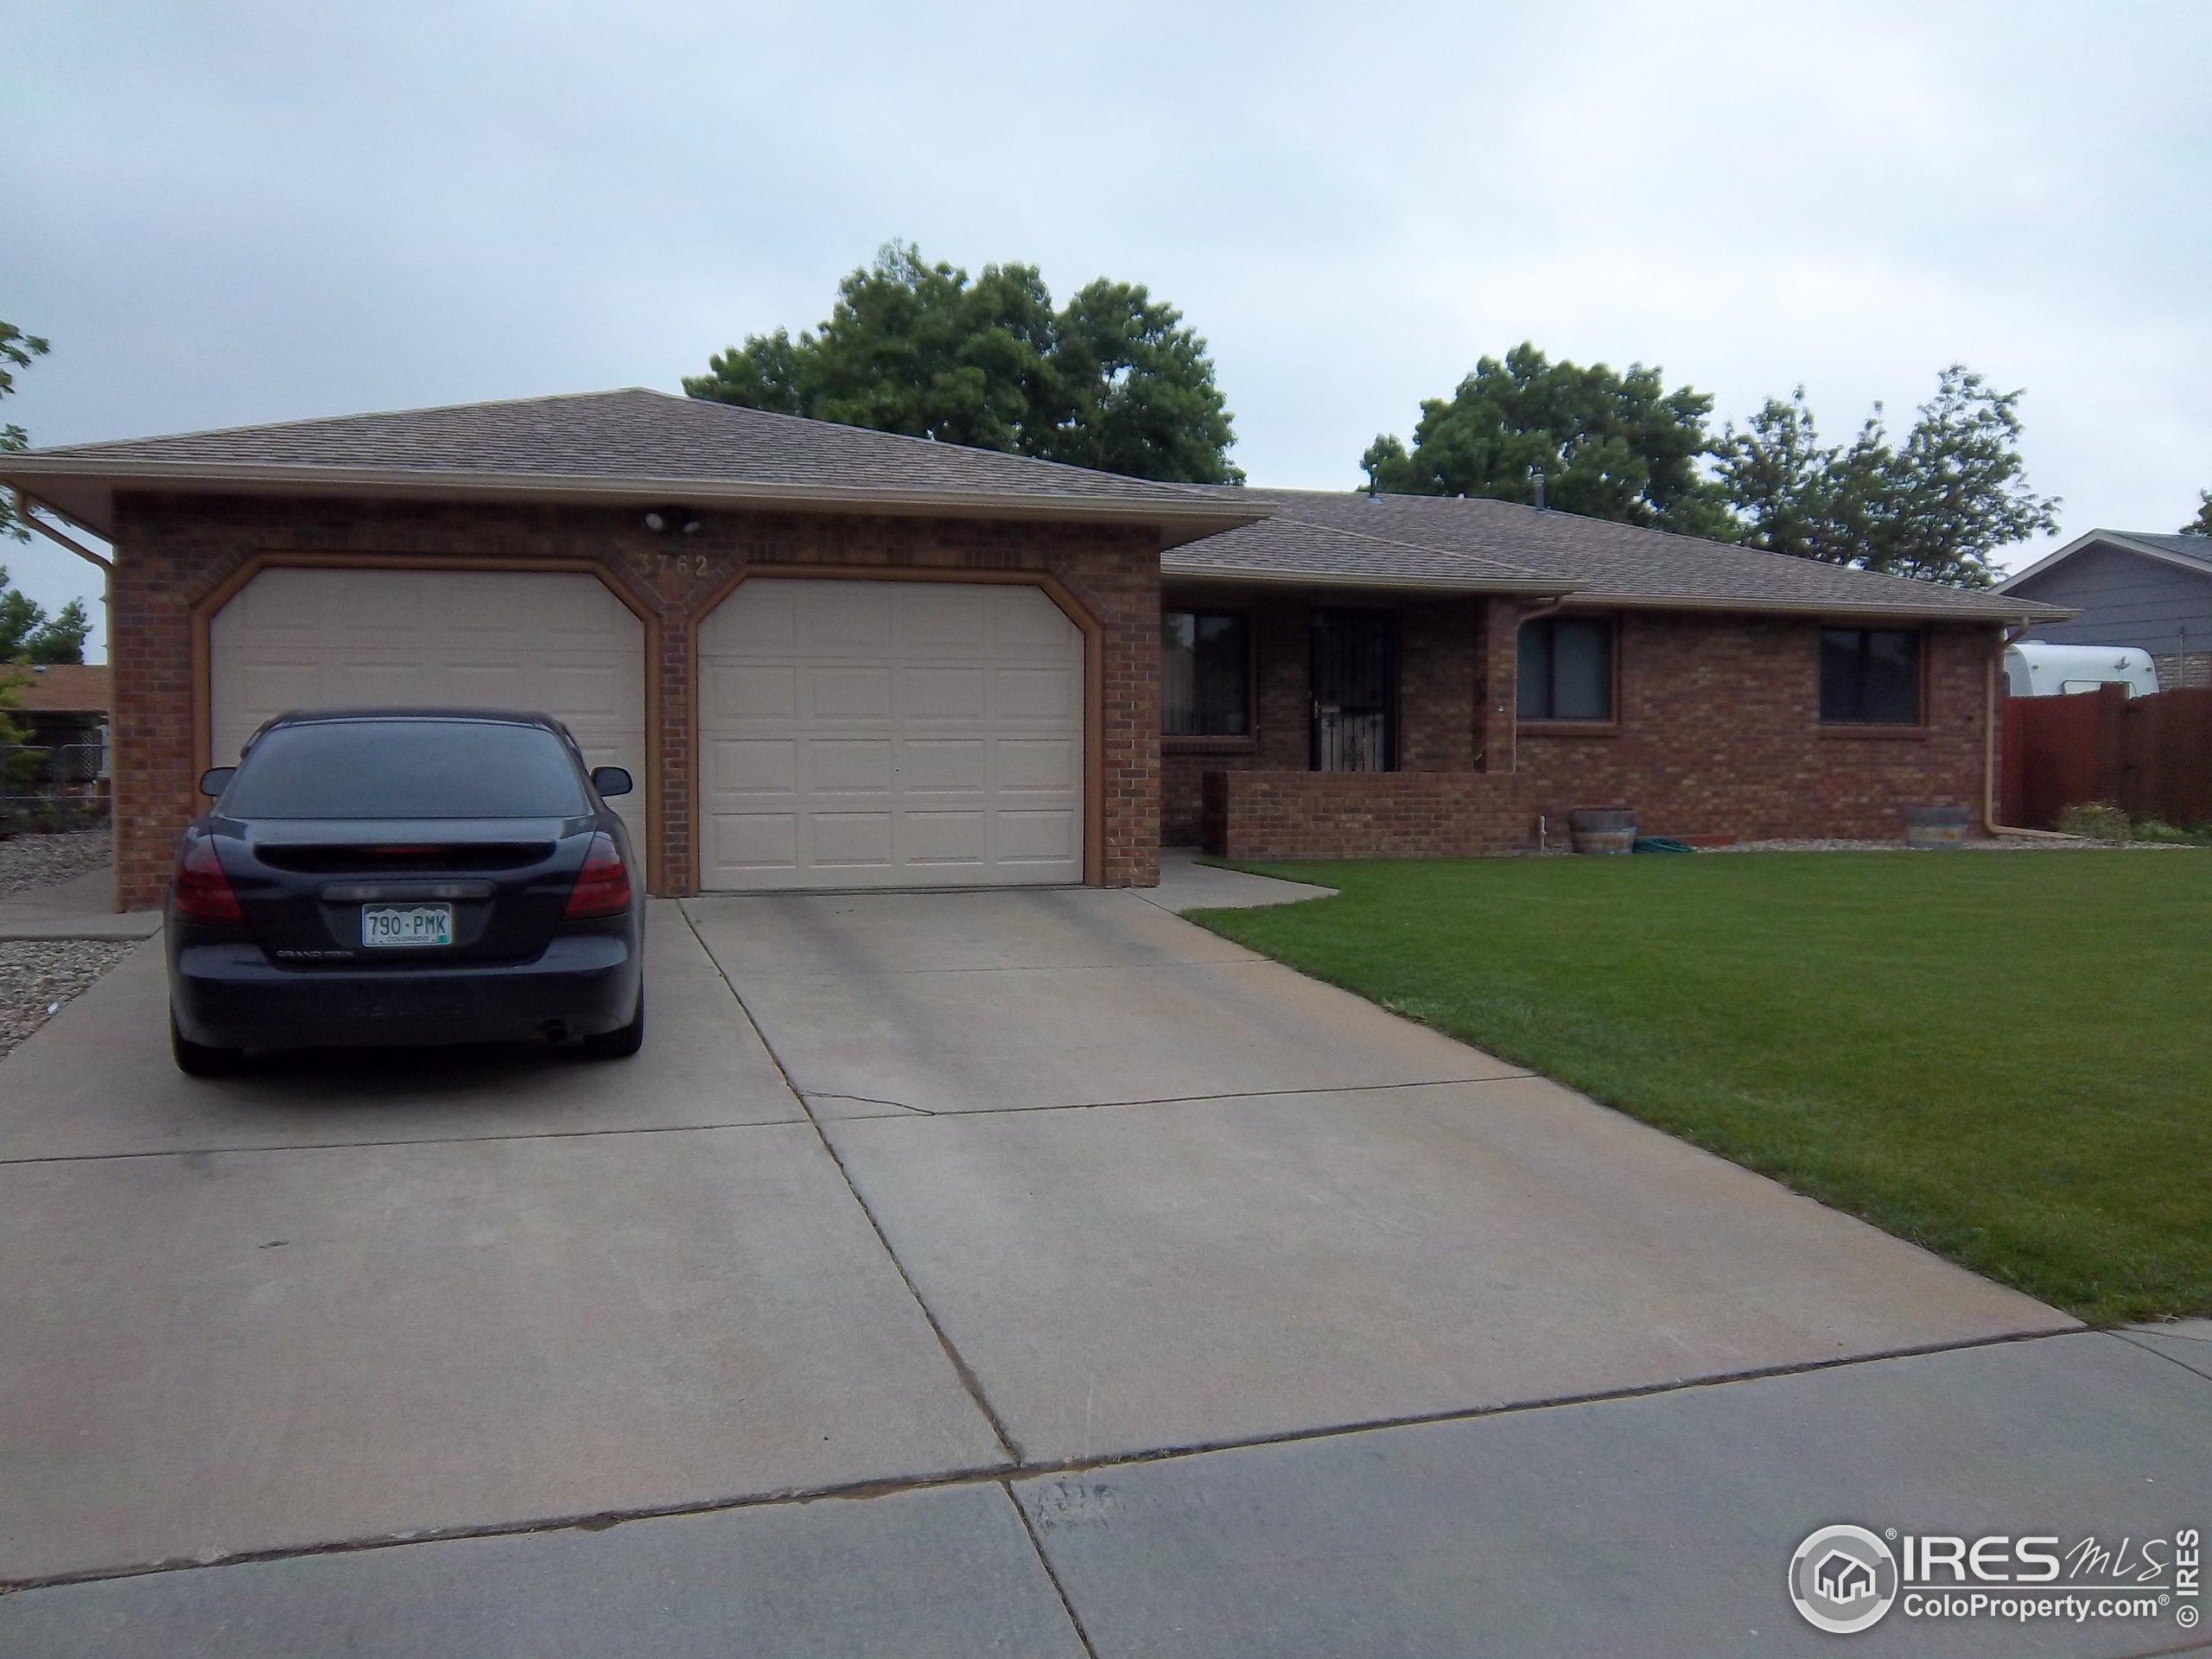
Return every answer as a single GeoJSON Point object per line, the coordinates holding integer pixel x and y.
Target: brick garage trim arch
{"type": "Point", "coordinates": [204, 610]}
{"type": "Point", "coordinates": [1094, 676]}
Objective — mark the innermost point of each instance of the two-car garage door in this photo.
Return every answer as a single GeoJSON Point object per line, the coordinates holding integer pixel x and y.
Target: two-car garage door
{"type": "Point", "coordinates": [852, 733]}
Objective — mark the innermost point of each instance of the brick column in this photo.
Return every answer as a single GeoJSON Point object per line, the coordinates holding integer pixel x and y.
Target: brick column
{"type": "Point", "coordinates": [1495, 684]}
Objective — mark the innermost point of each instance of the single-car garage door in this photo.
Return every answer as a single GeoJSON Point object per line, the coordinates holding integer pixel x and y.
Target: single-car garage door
{"type": "Point", "coordinates": [868, 733]}
{"type": "Point", "coordinates": [556, 643]}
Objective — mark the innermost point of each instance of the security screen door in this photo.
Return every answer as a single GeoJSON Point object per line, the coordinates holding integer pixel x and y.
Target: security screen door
{"type": "Point", "coordinates": [1355, 692]}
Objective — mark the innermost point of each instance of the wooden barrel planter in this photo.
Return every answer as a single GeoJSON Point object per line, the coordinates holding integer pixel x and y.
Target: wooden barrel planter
{"type": "Point", "coordinates": [1603, 829]}
{"type": "Point", "coordinates": [1936, 826]}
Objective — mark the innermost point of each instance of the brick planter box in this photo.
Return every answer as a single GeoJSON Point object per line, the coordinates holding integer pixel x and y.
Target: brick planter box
{"type": "Point", "coordinates": [1248, 814]}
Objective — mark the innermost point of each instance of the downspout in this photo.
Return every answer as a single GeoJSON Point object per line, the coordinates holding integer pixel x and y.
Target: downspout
{"type": "Point", "coordinates": [1544, 608]}
{"type": "Point", "coordinates": [24, 502]}
{"type": "Point", "coordinates": [1989, 824]}
{"type": "Point", "coordinates": [1544, 830]}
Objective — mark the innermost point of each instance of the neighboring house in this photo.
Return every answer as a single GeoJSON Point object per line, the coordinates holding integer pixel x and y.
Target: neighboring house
{"type": "Point", "coordinates": [838, 658]}
{"type": "Point", "coordinates": [61, 703]}
{"type": "Point", "coordinates": [2152, 592]}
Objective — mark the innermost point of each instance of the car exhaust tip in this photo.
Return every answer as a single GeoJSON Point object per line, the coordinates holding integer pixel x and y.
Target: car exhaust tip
{"type": "Point", "coordinates": [556, 1031]}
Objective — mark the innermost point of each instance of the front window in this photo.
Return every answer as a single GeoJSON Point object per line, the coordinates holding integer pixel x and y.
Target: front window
{"type": "Point", "coordinates": [1566, 668]}
{"type": "Point", "coordinates": [1870, 676]}
{"type": "Point", "coordinates": [1205, 674]}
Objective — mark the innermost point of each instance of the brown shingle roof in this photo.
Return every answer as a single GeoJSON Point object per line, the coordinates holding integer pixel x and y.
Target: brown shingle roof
{"type": "Point", "coordinates": [626, 445]}
{"type": "Point", "coordinates": [62, 689]}
{"type": "Point", "coordinates": [1599, 561]}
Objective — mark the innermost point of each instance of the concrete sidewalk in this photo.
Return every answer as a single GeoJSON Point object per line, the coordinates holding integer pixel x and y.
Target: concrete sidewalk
{"type": "Point", "coordinates": [81, 908]}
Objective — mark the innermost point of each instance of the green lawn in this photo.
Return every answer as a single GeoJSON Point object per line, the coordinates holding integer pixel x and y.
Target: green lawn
{"type": "Point", "coordinates": [2006, 1057]}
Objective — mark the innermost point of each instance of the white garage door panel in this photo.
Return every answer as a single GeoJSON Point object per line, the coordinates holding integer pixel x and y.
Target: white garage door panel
{"type": "Point", "coordinates": [890, 733]}
{"type": "Point", "coordinates": [553, 642]}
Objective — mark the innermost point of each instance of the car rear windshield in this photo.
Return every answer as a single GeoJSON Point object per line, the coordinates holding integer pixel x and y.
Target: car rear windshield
{"type": "Point", "coordinates": [406, 769]}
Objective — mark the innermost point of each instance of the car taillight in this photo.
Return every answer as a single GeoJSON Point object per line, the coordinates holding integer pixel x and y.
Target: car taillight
{"type": "Point", "coordinates": [202, 892]}
{"type": "Point", "coordinates": [603, 885]}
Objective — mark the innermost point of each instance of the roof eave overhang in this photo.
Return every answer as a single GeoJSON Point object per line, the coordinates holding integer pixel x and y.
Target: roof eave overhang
{"type": "Point", "coordinates": [86, 489]}
{"type": "Point", "coordinates": [2024, 611]}
{"type": "Point", "coordinates": [1253, 577]}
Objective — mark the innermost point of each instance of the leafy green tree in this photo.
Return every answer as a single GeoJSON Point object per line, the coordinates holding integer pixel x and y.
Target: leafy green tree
{"type": "Point", "coordinates": [2201, 525]}
{"type": "Point", "coordinates": [1935, 509]}
{"type": "Point", "coordinates": [16, 351]}
{"type": "Point", "coordinates": [1113, 380]}
{"type": "Point", "coordinates": [1610, 446]}
{"type": "Point", "coordinates": [28, 634]}
{"type": "Point", "coordinates": [1791, 493]}
{"type": "Point", "coordinates": [1958, 489]}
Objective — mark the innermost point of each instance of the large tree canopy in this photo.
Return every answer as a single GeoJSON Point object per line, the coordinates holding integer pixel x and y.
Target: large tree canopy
{"type": "Point", "coordinates": [1610, 446]}
{"type": "Point", "coordinates": [2201, 525]}
{"type": "Point", "coordinates": [1935, 509]}
{"type": "Point", "coordinates": [1112, 380]}
{"type": "Point", "coordinates": [1622, 447]}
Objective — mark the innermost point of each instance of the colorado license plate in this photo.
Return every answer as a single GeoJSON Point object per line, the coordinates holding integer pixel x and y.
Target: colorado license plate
{"type": "Point", "coordinates": [415, 925]}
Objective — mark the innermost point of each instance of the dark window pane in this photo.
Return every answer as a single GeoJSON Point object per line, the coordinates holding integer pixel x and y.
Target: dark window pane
{"type": "Point", "coordinates": [1582, 669]}
{"type": "Point", "coordinates": [407, 769]}
{"type": "Point", "coordinates": [1565, 668]}
{"type": "Point", "coordinates": [1178, 674]}
{"type": "Point", "coordinates": [1535, 671]}
{"type": "Point", "coordinates": [1893, 696]}
{"type": "Point", "coordinates": [1205, 674]}
{"type": "Point", "coordinates": [1840, 677]}
{"type": "Point", "coordinates": [1870, 676]}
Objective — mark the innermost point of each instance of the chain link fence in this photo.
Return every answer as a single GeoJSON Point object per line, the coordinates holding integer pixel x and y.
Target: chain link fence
{"type": "Point", "coordinates": [46, 787]}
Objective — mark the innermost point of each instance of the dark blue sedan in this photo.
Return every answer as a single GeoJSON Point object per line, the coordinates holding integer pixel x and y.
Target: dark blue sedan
{"type": "Point", "coordinates": [389, 876]}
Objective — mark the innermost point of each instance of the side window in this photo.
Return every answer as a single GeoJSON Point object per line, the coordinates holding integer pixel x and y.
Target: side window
{"type": "Point", "coordinates": [1870, 676]}
{"type": "Point", "coordinates": [1205, 674]}
{"type": "Point", "coordinates": [1566, 668]}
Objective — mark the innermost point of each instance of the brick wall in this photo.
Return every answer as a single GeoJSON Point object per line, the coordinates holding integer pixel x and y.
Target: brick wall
{"type": "Point", "coordinates": [1718, 733]}
{"type": "Point", "coordinates": [173, 551]}
{"type": "Point", "coordinates": [1364, 813]}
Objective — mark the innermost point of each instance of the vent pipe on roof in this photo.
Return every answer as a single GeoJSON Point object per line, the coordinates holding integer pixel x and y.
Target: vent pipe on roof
{"type": "Point", "coordinates": [1538, 475]}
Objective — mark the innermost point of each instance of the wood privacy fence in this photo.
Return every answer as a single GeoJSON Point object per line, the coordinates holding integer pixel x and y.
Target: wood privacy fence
{"type": "Point", "coordinates": [2151, 755]}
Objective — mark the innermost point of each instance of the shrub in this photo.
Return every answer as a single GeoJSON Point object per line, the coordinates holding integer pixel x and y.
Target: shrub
{"type": "Point", "coordinates": [2098, 821]}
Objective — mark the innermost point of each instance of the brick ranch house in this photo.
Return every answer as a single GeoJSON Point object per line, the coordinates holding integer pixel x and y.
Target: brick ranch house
{"type": "Point", "coordinates": [836, 658]}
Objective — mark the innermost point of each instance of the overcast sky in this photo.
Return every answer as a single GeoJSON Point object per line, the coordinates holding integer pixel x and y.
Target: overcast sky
{"type": "Point", "coordinates": [235, 213]}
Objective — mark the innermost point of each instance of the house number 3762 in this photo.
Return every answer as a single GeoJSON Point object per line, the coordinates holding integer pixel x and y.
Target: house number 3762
{"type": "Point", "coordinates": [675, 564]}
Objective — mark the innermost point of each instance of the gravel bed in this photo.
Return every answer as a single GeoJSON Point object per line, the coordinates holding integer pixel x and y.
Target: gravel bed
{"type": "Point", "coordinates": [28, 862]}
{"type": "Point", "coordinates": [38, 976]}
{"type": "Point", "coordinates": [1975, 844]}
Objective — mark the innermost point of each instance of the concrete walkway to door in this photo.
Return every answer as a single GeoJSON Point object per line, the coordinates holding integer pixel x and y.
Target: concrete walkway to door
{"type": "Point", "coordinates": [1140, 1296]}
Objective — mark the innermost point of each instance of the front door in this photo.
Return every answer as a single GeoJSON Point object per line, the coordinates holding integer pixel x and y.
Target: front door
{"type": "Point", "coordinates": [1355, 692]}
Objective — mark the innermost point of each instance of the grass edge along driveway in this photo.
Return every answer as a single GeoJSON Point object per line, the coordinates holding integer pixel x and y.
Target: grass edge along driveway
{"type": "Point", "coordinates": [2004, 1057]}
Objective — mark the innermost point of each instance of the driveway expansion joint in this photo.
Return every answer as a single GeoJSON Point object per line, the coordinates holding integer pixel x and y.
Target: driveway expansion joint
{"type": "Point", "coordinates": [968, 1380]}
{"type": "Point", "coordinates": [424, 1141]}
{"type": "Point", "coordinates": [1015, 1468]}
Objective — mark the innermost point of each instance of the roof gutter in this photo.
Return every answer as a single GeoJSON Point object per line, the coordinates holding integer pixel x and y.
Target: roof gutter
{"type": "Point", "coordinates": [1184, 520]}
{"type": "Point", "coordinates": [2021, 613]}
{"type": "Point", "coordinates": [1264, 576]}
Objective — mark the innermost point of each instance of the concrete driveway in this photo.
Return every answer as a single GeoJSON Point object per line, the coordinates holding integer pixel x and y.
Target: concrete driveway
{"type": "Point", "coordinates": [1023, 1272]}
